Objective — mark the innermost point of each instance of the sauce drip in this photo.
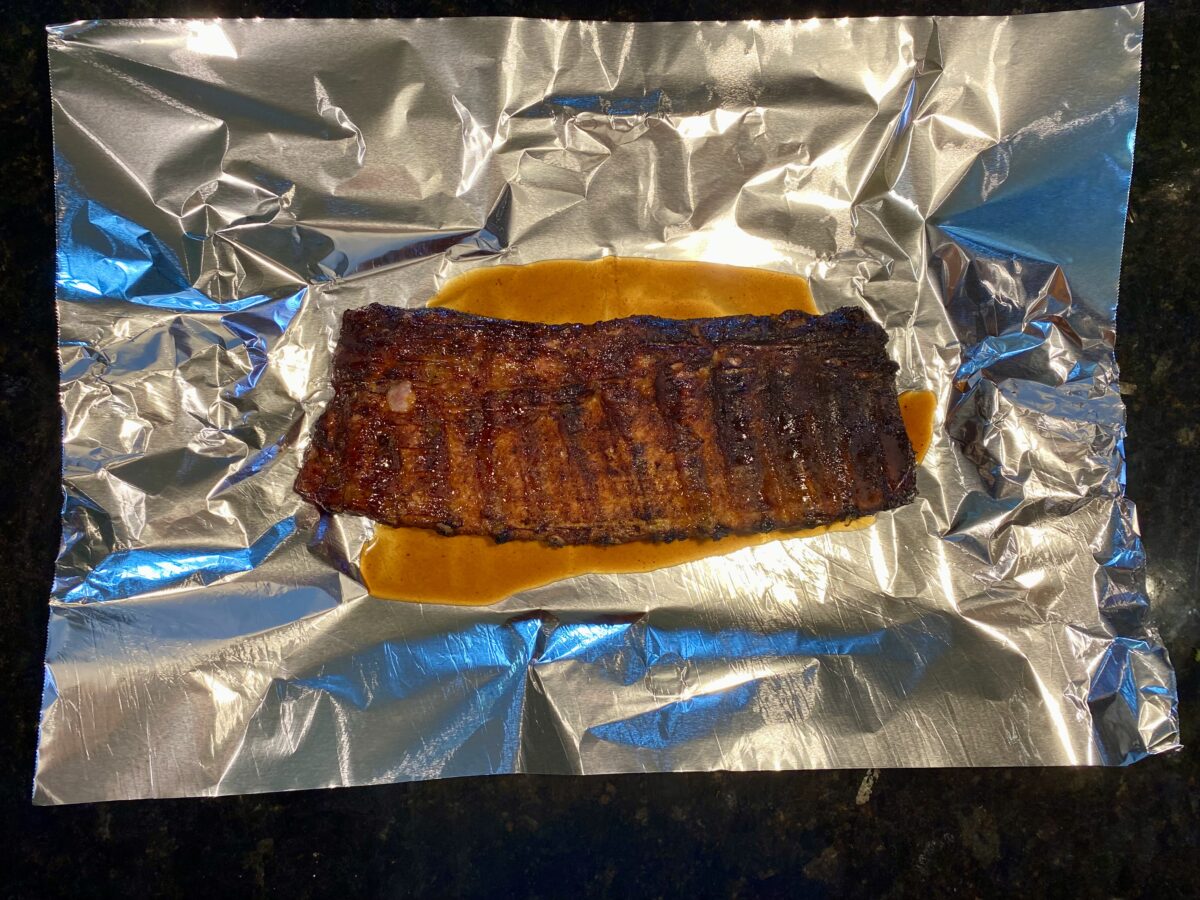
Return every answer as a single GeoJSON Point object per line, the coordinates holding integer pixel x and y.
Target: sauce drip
{"type": "Point", "coordinates": [422, 566]}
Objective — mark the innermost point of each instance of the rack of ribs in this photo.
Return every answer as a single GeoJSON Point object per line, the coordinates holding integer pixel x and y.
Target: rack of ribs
{"type": "Point", "coordinates": [629, 429]}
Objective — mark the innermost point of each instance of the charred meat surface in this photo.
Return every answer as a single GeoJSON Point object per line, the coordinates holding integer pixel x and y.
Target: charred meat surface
{"type": "Point", "coordinates": [636, 428]}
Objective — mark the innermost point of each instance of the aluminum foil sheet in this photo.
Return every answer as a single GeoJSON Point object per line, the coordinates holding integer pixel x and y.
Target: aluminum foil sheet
{"type": "Point", "coordinates": [227, 188]}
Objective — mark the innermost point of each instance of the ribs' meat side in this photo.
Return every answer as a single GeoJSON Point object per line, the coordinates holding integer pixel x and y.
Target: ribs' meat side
{"type": "Point", "coordinates": [635, 428]}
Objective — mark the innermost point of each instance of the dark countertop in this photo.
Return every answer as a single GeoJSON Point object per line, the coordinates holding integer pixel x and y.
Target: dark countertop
{"type": "Point", "coordinates": [1125, 832]}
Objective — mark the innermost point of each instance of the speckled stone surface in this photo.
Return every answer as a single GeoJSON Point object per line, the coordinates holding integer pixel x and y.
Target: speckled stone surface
{"type": "Point", "coordinates": [972, 833]}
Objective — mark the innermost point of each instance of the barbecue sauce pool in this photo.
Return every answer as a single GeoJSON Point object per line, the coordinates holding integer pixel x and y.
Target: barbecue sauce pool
{"type": "Point", "coordinates": [420, 565]}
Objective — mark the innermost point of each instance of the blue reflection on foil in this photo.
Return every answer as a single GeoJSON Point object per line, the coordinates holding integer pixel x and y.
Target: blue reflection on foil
{"type": "Point", "coordinates": [111, 256]}
{"type": "Point", "coordinates": [102, 255]}
{"type": "Point", "coordinates": [655, 101]}
{"type": "Point", "coordinates": [585, 641]}
{"type": "Point", "coordinates": [990, 351]}
{"type": "Point", "coordinates": [484, 666]}
{"type": "Point", "coordinates": [1114, 700]}
{"type": "Point", "coordinates": [909, 649]}
{"type": "Point", "coordinates": [343, 687]}
{"type": "Point", "coordinates": [255, 329]}
{"type": "Point", "coordinates": [1131, 558]}
{"type": "Point", "coordinates": [696, 644]}
{"type": "Point", "coordinates": [259, 461]}
{"type": "Point", "coordinates": [486, 670]}
{"type": "Point", "coordinates": [393, 670]}
{"type": "Point", "coordinates": [1089, 217]}
{"type": "Point", "coordinates": [1128, 551]}
{"type": "Point", "coordinates": [127, 573]}
{"type": "Point", "coordinates": [977, 240]}
{"type": "Point", "coordinates": [256, 351]}
{"type": "Point", "coordinates": [906, 110]}
{"type": "Point", "coordinates": [678, 722]}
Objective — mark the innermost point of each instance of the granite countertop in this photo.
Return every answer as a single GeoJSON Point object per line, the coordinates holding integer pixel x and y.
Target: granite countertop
{"type": "Point", "coordinates": [1092, 832]}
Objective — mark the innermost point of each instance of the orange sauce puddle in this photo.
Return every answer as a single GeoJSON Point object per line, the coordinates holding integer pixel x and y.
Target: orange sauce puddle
{"type": "Point", "coordinates": [916, 409]}
{"type": "Point", "coordinates": [422, 566]}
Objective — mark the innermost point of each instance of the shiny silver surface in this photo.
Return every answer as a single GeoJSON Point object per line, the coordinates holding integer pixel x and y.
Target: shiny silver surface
{"type": "Point", "coordinates": [227, 188]}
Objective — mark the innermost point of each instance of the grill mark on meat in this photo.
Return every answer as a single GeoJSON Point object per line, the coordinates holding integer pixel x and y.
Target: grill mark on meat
{"type": "Point", "coordinates": [489, 501]}
{"type": "Point", "coordinates": [632, 428]}
{"type": "Point", "coordinates": [732, 412]}
{"type": "Point", "coordinates": [569, 418]}
{"type": "Point", "coordinates": [618, 401]}
{"type": "Point", "coordinates": [532, 462]}
{"type": "Point", "coordinates": [435, 467]}
{"type": "Point", "coordinates": [686, 449]}
{"type": "Point", "coordinates": [555, 465]}
{"type": "Point", "coordinates": [867, 455]}
{"type": "Point", "coordinates": [762, 432]}
{"type": "Point", "coordinates": [699, 405]}
{"type": "Point", "coordinates": [658, 439]}
{"type": "Point", "coordinates": [784, 411]}
{"type": "Point", "coordinates": [627, 497]}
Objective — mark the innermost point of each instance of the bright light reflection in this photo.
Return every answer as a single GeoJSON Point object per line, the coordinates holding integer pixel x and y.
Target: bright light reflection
{"type": "Point", "coordinates": [207, 39]}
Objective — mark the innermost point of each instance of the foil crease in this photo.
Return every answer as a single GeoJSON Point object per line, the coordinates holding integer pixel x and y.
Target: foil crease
{"type": "Point", "coordinates": [226, 189]}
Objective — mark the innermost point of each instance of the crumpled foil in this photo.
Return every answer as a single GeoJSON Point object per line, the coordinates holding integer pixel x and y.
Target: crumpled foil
{"type": "Point", "coordinates": [227, 188]}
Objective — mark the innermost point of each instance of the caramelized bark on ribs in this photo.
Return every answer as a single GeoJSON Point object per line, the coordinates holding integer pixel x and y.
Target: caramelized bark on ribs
{"type": "Point", "coordinates": [636, 428]}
